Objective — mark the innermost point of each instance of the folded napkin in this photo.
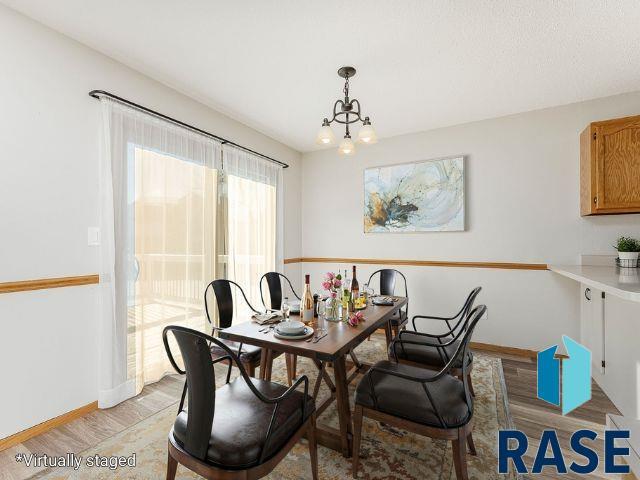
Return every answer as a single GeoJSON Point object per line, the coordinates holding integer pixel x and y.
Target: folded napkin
{"type": "Point", "coordinates": [384, 301]}
{"type": "Point", "coordinates": [266, 318]}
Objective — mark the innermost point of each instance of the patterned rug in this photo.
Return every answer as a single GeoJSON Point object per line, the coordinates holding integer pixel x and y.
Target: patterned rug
{"type": "Point", "coordinates": [387, 454]}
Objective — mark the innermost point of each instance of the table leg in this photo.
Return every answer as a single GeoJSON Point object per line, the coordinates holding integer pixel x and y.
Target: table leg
{"type": "Point", "coordinates": [291, 374]}
{"type": "Point", "coordinates": [269, 369]}
{"type": "Point", "coordinates": [266, 363]}
{"type": "Point", "coordinates": [342, 400]}
{"type": "Point", "coordinates": [388, 333]}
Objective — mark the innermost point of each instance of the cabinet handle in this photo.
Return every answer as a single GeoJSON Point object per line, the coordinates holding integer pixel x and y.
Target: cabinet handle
{"type": "Point", "coordinates": [587, 293]}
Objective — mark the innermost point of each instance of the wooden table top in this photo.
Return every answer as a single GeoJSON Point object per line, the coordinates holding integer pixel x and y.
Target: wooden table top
{"type": "Point", "coordinates": [340, 340]}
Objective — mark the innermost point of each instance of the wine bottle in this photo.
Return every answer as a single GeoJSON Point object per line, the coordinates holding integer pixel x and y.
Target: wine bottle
{"type": "Point", "coordinates": [306, 304]}
{"type": "Point", "coordinates": [355, 288]}
{"type": "Point", "coordinates": [346, 290]}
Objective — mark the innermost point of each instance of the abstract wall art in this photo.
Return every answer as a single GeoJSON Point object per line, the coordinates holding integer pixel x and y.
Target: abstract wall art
{"type": "Point", "coordinates": [425, 196]}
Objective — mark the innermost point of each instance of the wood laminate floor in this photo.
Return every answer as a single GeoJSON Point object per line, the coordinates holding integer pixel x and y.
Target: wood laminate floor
{"type": "Point", "coordinates": [529, 414]}
{"type": "Point", "coordinates": [533, 416]}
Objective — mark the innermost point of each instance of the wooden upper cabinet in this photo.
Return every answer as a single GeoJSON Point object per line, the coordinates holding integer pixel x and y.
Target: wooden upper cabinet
{"type": "Point", "coordinates": [610, 167]}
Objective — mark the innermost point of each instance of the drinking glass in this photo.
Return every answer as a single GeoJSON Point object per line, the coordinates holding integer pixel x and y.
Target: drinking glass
{"type": "Point", "coordinates": [322, 319]}
{"type": "Point", "coordinates": [369, 292]}
{"type": "Point", "coordinates": [286, 308]}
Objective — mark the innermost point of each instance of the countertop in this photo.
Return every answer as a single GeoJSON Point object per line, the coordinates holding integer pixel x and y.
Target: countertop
{"type": "Point", "coordinates": [621, 282]}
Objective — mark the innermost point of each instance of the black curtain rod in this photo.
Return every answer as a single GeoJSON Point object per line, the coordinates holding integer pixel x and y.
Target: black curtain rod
{"type": "Point", "coordinates": [101, 93]}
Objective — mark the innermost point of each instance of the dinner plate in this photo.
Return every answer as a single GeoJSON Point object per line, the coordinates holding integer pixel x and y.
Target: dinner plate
{"type": "Point", "coordinates": [308, 331]}
{"type": "Point", "coordinates": [290, 327]}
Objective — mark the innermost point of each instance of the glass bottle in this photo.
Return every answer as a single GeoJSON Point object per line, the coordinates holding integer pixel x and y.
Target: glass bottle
{"type": "Point", "coordinates": [355, 287]}
{"type": "Point", "coordinates": [346, 291]}
{"type": "Point", "coordinates": [306, 303]}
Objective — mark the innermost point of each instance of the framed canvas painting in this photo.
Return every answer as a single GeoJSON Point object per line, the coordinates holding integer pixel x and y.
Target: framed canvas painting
{"type": "Point", "coordinates": [425, 196]}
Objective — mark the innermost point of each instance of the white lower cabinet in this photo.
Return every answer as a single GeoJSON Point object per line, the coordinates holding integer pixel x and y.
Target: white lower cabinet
{"type": "Point", "coordinates": [610, 328]}
{"type": "Point", "coordinates": [622, 343]}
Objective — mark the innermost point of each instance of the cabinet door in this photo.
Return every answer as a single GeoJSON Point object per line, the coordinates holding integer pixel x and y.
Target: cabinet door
{"type": "Point", "coordinates": [622, 381]}
{"type": "Point", "coordinates": [592, 326]}
{"type": "Point", "coordinates": [617, 157]}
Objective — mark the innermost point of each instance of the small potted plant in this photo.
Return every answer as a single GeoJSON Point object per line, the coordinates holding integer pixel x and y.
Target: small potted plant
{"type": "Point", "coordinates": [628, 249]}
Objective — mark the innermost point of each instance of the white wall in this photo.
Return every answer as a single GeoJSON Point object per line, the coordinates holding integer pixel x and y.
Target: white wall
{"type": "Point", "coordinates": [48, 197]}
{"type": "Point", "coordinates": [522, 205]}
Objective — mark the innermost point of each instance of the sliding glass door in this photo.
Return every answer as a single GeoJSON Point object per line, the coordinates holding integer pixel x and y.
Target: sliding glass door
{"type": "Point", "coordinates": [174, 204]}
{"type": "Point", "coordinates": [252, 237]}
{"type": "Point", "coordinates": [178, 210]}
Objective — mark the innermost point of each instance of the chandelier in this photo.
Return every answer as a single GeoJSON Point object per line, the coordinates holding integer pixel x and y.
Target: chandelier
{"type": "Point", "coordinates": [346, 112]}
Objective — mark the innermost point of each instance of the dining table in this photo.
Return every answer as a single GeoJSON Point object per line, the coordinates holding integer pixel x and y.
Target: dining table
{"type": "Point", "coordinates": [330, 352]}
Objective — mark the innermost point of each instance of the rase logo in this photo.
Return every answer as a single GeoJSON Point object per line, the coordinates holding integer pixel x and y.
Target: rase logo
{"type": "Point", "coordinates": [513, 444]}
{"type": "Point", "coordinates": [576, 375]}
{"type": "Point", "coordinates": [573, 390]}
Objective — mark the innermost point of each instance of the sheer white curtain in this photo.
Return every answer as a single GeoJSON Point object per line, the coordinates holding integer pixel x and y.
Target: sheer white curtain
{"type": "Point", "coordinates": [253, 191]}
{"type": "Point", "coordinates": [159, 203]}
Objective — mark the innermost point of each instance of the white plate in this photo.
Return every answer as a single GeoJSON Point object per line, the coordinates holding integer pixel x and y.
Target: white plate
{"type": "Point", "coordinates": [308, 331]}
{"type": "Point", "coordinates": [290, 327]}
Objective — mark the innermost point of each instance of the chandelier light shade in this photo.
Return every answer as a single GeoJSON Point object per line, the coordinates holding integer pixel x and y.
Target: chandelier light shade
{"type": "Point", "coordinates": [347, 112]}
{"type": "Point", "coordinates": [325, 135]}
{"type": "Point", "coordinates": [347, 146]}
{"type": "Point", "coordinates": [367, 134]}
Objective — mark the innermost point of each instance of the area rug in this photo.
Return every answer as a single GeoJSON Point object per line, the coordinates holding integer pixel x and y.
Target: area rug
{"type": "Point", "coordinates": [387, 453]}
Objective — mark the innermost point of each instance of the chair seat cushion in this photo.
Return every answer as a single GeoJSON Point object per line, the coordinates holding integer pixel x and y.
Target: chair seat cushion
{"type": "Point", "coordinates": [241, 421]}
{"type": "Point", "coordinates": [426, 354]}
{"type": "Point", "coordinates": [249, 353]}
{"type": "Point", "coordinates": [407, 399]}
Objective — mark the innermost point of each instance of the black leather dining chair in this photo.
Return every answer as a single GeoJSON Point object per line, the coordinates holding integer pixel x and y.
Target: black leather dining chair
{"type": "Point", "coordinates": [274, 284]}
{"type": "Point", "coordinates": [249, 355]}
{"type": "Point", "coordinates": [388, 277]}
{"type": "Point", "coordinates": [240, 430]}
{"type": "Point", "coordinates": [436, 405]}
{"type": "Point", "coordinates": [434, 351]}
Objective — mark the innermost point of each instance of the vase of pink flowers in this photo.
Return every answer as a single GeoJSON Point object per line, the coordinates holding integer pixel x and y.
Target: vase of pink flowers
{"type": "Point", "coordinates": [332, 284]}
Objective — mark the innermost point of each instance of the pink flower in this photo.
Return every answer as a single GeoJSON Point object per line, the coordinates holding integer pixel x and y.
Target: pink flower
{"type": "Point", "coordinates": [334, 294]}
{"type": "Point", "coordinates": [330, 275]}
{"type": "Point", "coordinates": [355, 319]}
{"type": "Point", "coordinates": [337, 283]}
{"type": "Point", "coordinates": [326, 285]}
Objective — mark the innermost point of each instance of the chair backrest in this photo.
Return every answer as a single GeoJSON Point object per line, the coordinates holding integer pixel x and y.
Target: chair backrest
{"type": "Point", "coordinates": [473, 317]}
{"type": "Point", "coordinates": [224, 300]}
{"type": "Point", "coordinates": [274, 282]}
{"type": "Point", "coordinates": [388, 278]}
{"type": "Point", "coordinates": [464, 312]}
{"type": "Point", "coordinates": [201, 381]}
{"type": "Point", "coordinates": [471, 298]}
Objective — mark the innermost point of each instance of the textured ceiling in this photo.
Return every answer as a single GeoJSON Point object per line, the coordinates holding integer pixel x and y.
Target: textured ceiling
{"type": "Point", "coordinates": [421, 64]}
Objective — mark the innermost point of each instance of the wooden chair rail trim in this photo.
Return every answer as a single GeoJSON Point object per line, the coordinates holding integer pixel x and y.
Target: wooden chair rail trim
{"type": "Point", "coordinates": [43, 427]}
{"type": "Point", "coordinates": [421, 263]}
{"type": "Point", "coordinates": [44, 283]}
